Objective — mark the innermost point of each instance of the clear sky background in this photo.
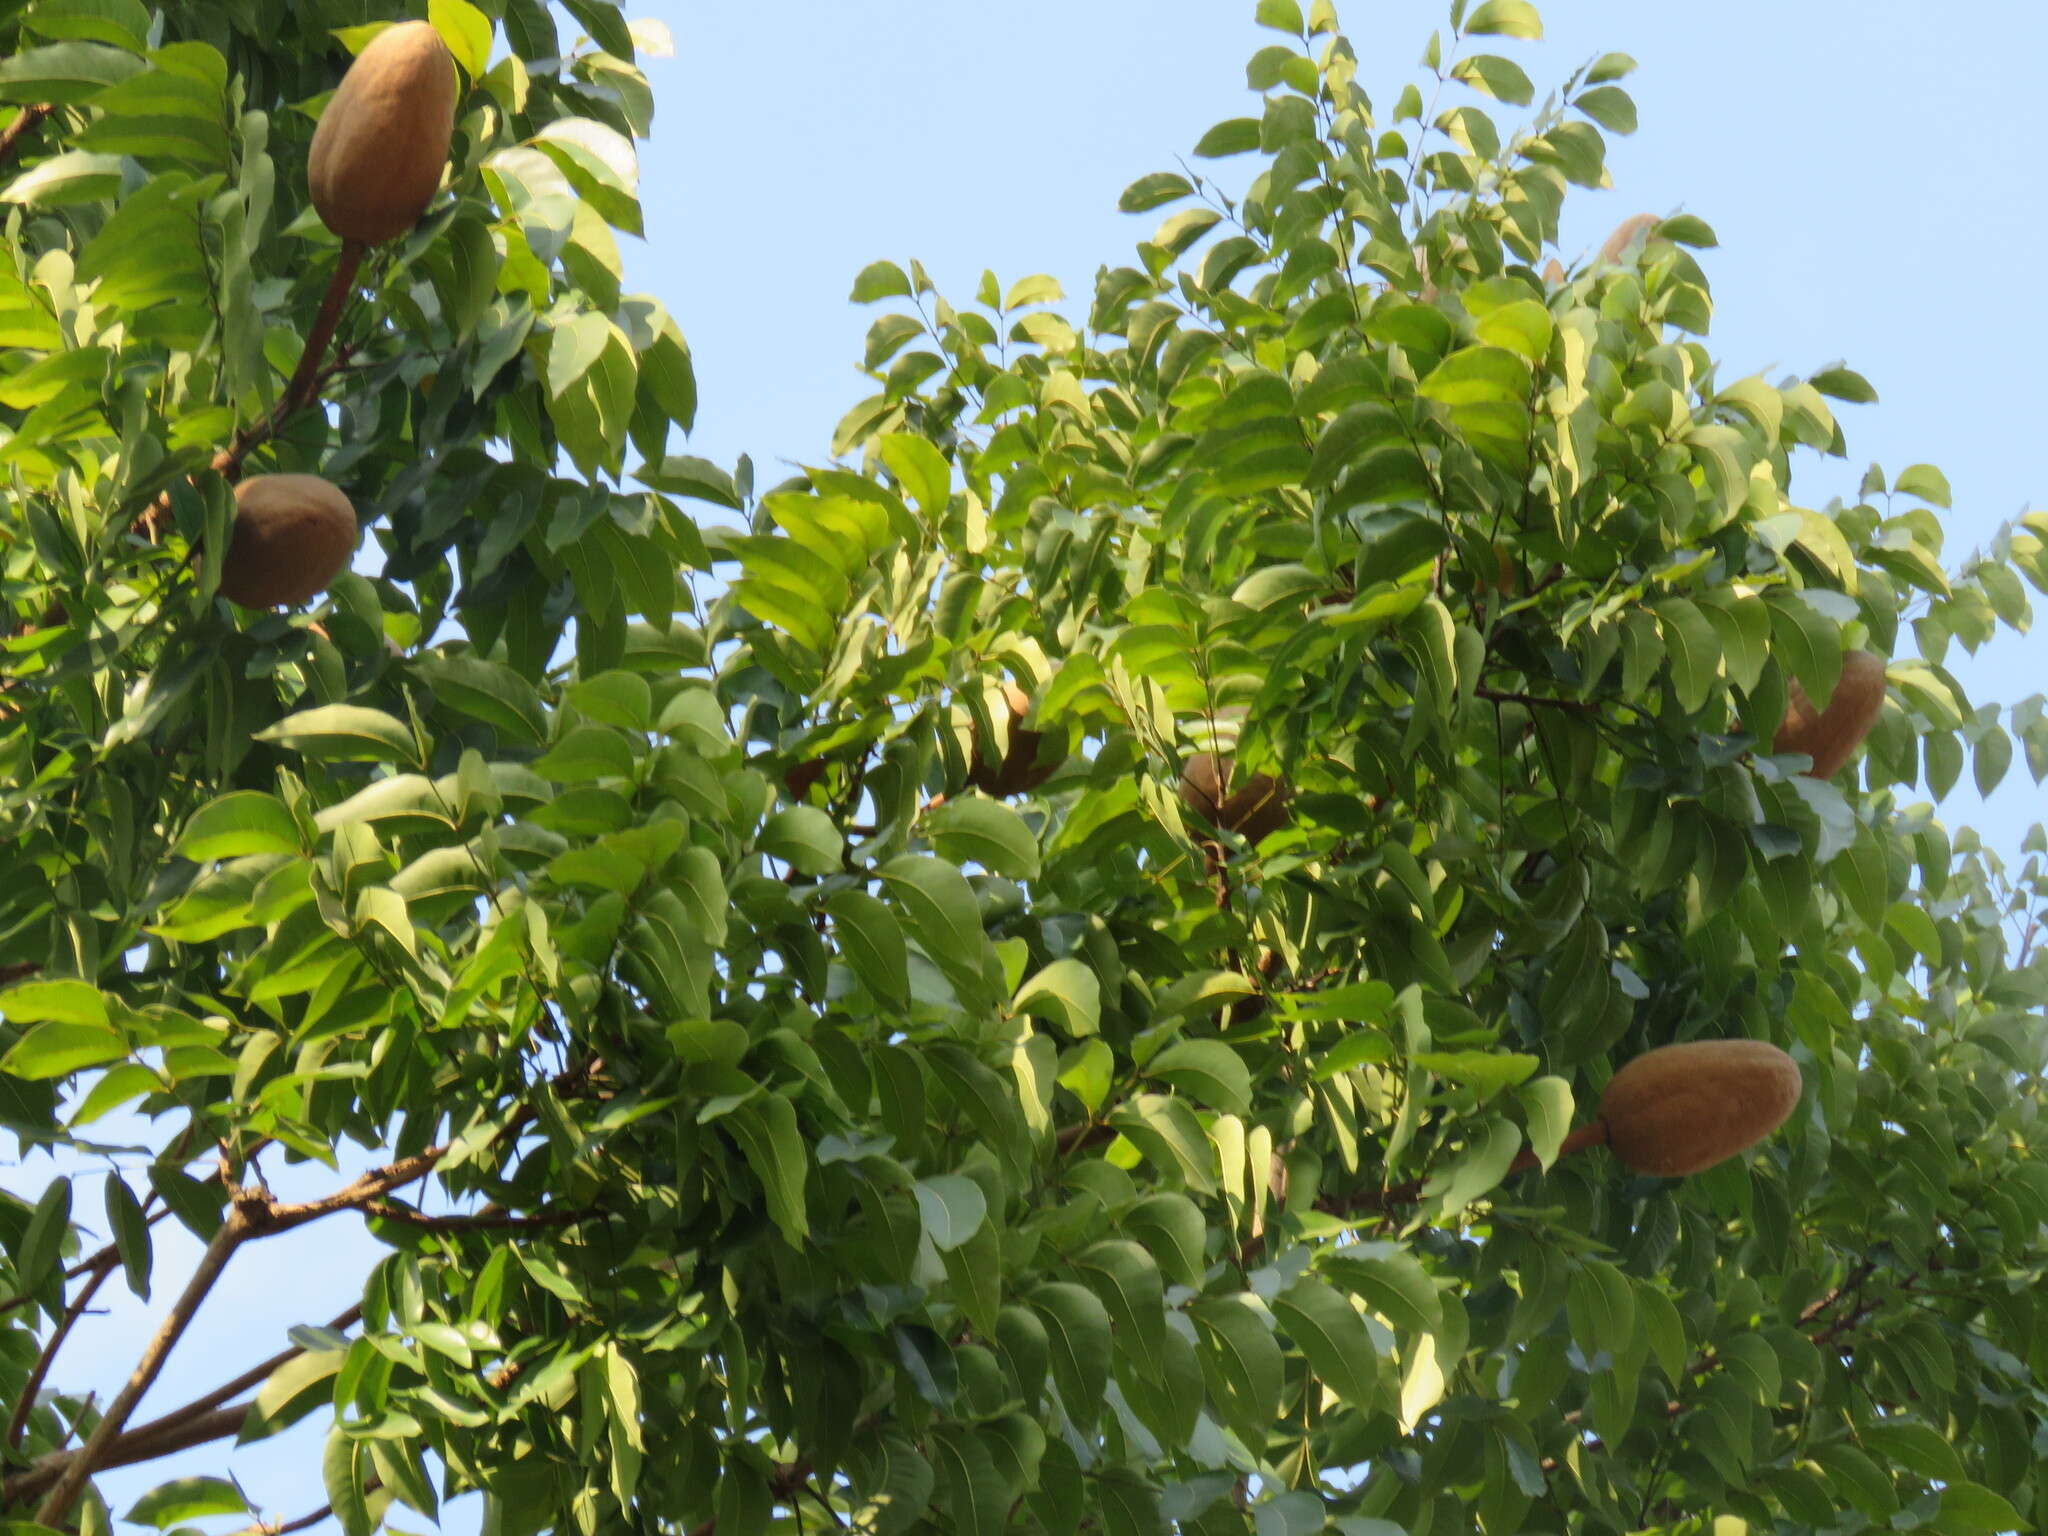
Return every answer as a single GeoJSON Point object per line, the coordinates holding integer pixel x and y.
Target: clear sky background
{"type": "Point", "coordinates": [1872, 170]}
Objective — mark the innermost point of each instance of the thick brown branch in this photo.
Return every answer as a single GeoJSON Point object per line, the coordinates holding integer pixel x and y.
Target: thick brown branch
{"type": "Point", "coordinates": [138, 1445]}
{"type": "Point", "coordinates": [24, 122]}
{"type": "Point", "coordinates": [278, 1217]}
{"type": "Point", "coordinates": [255, 1376]}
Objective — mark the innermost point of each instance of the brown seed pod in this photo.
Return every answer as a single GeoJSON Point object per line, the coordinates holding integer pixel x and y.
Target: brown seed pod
{"type": "Point", "coordinates": [1831, 736]}
{"type": "Point", "coordinates": [1681, 1108]}
{"type": "Point", "coordinates": [1626, 231]}
{"type": "Point", "coordinates": [381, 144]}
{"type": "Point", "coordinates": [1554, 273]}
{"type": "Point", "coordinates": [293, 534]}
{"type": "Point", "coordinates": [1257, 806]}
{"type": "Point", "coordinates": [1031, 758]}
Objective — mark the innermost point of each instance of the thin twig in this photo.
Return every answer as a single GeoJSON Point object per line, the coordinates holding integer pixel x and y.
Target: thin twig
{"type": "Point", "coordinates": [24, 121]}
{"type": "Point", "coordinates": [48, 1357]}
{"type": "Point", "coordinates": [1411, 1191]}
{"type": "Point", "coordinates": [482, 1221]}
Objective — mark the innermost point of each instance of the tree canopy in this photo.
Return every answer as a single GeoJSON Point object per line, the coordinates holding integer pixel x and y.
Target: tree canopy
{"type": "Point", "coordinates": [1039, 974]}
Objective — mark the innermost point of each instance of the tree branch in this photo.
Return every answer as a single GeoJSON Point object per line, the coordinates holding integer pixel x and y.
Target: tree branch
{"type": "Point", "coordinates": [48, 1357]}
{"type": "Point", "coordinates": [100, 1259]}
{"type": "Point", "coordinates": [482, 1221]}
{"type": "Point", "coordinates": [300, 392]}
{"type": "Point", "coordinates": [24, 122]}
{"type": "Point", "coordinates": [1409, 1192]}
{"type": "Point", "coordinates": [80, 1467]}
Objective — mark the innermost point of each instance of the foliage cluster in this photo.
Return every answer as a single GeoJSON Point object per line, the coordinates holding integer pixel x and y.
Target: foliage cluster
{"type": "Point", "coordinates": [800, 1105]}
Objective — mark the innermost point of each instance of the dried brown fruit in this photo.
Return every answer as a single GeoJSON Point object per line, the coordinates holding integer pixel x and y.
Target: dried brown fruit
{"type": "Point", "coordinates": [1554, 273]}
{"type": "Point", "coordinates": [1681, 1108]}
{"type": "Point", "coordinates": [293, 535]}
{"type": "Point", "coordinates": [1030, 759]}
{"type": "Point", "coordinates": [381, 144]}
{"type": "Point", "coordinates": [1635, 224]}
{"type": "Point", "coordinates": [1831, 736]}
{"type": "Point", "coordinates": [1254, 808]}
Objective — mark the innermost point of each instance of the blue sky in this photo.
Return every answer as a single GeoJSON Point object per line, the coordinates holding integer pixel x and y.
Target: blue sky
{"type": "Point", "coordinates": [1871, 171]}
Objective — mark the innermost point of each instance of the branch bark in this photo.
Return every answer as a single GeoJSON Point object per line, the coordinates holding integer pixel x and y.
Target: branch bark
{"type": "Point", "coordinates": [24, 122]}
{"type": "Point", "coordinates": [48, 1357]}
{"type": "Point", "coordinates": [79, 1467]}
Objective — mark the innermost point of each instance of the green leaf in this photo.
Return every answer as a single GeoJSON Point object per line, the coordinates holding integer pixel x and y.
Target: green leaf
{"type": "Point", "coordinates": [1078, 1329]}
{"type": "Point", "coordinates": [130, 1227]}
{"type": "Point", "coordinates": [684, 474]}
{"type": "Point", "coordinates": [340, 1470]}
{"type": "Point", "coordinates": [1281, 16]}
{"type": "Point", "coordinates": [1547, 1106]}
{"type": "Point", "coordinates": [880, 280]}
{"type": "Point", "coordinates": [244, 822]}
{"type": "Point", "coordinates": [1478, 375]}
{"type": "Point", "coordinates": [61, 1000]}
{"type": "Point", "coordinates": [58, 1050]}
{"type": "Point", "coordinates": [987, 832]}
{"type": "Point", "coordinates": [953, 1209]}
{"type": "Point", "coordinates": [64, 73]}
{"type": "Point", "coordinates": [344, 733]}
{"type": "Point", "coordinates": [187, 1498]}
{"type": "Point", "coordinates": [1925, 482]}
{"type": "Point", "coordinates": [42, 1241]}
{"type": "Point", "coordinates": [488, 691]}
{"type": "Point", "coordinates": [1238, 136]}
{"type": "Point", "coordinates": [803, 837]}
{"type": "Point", "coordinates": [1505, 18]}
{"type": "Point", "coordinates": [1170, 1227]}
{"type": "Point", "coordinates": [920, 468]}
{"type": "Point", "coordinates": [467, 32]}
{"type": "Point", "coordinates": [1693, 648]}
{"type": "Point", "coordinates": [766, 1130]}
{"type": "Point", "coordinates": [1917, 1447]}
{"type": "Point", "coordinates": [1066, 992]}
{"type": "Point", "coordinates": [1154, 191]}
{"type": "Point", "coordinates": [1127, 1280]}
{"type": "Point", "coordinates": [1209, 1070]}
{"type": "Point", "coordinates": [1971, 1507]}
{"type": "Point", "coordinates": [872, 941]}
{"type": "Point", "coordinates": [1334, 1339]}
{"type": "Point", "coordinates": [1609, 106]}
{"type": "Point", "coordinates": [1491, 75]}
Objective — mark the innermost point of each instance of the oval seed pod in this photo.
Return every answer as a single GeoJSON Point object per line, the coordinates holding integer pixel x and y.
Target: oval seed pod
{"type": "Point", "coordinates": [1681, 1108]}
{"type": "Point", "coordinates": [1031, 758]}
{"type": "Point", "coordinates": [381, 144]}
{"type": "Point", "coordinates": [293, 534]}
{"type": "Point", "coordinates": [1625, 232]}
{"type": "Point", "coordinates": [1257, 806]}
{"type": "Point", "coordinates": [1831, 736]}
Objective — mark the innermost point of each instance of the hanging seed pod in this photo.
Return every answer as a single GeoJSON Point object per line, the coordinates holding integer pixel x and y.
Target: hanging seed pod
{"type": "Point", "coordinates": [293, 534]}
{"type": "Point", "coordinates": [1257, 806]}
{"type": "Point", "coordinates": [1831, 736]}
{"type": "Point", "coordinates": [381, 144]}
{"type": "Point", "coordinates": [1031, 758]}
{"type": "Point", "coordinates": [1681, 1108]}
